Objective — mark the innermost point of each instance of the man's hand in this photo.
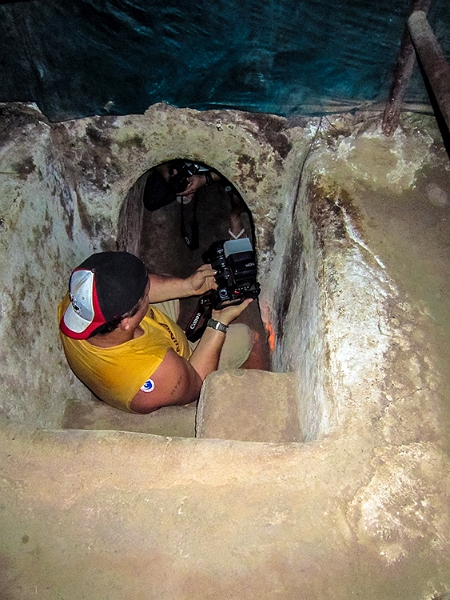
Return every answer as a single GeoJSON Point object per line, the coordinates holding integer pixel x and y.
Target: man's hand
{"type": "Point", "coordinates": [165, 287]}
{"type": "Point", "coordinates": [229, 313]}
{"type": "Point", "coordinates": [201, 281]}
{"type": "Point", "coordinates": [195, 182]}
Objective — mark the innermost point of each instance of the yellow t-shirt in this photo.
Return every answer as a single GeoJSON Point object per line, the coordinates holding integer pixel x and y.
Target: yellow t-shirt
{"type": "Point", "coordinates": [116, 374]}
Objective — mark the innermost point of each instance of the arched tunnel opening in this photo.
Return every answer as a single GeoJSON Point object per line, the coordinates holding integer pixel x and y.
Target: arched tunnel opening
{"type": "Point", "coordinates": [172, 234]}
{"type": "Point", "coordinates": [164, 248]}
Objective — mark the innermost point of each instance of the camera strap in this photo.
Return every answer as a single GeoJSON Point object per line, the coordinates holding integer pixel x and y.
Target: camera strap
{"type": "Point", "coordinates": [199, 319]}
{"type": "Point", "coordinates": [191, 240]}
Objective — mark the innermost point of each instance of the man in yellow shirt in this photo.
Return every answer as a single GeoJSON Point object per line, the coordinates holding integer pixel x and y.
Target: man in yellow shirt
{"type": "Point", "coordinates": [121, 342]}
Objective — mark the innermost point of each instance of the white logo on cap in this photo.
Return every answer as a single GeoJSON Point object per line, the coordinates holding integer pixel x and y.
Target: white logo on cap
{"type": "Point", "coordinates": [82, 301]}
{"type": "Point", "coordinates": [73, 300]}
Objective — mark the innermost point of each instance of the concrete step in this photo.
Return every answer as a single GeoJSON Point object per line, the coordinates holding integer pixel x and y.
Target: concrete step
{"type": "Point", "coordinates": [249, 405]}
{"type": "Point", "coordinates": [173, 421]}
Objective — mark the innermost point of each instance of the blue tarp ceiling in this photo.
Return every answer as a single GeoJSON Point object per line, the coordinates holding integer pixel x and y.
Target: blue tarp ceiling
{"type": "Point", "coordinates": [287, 57]}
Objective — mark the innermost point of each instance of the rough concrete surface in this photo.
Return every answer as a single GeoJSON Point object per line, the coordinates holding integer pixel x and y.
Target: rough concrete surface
{"type": "Point", "coordinates": [351, 232]}
{"type": "Point", "coordinates": [176, 421]}
{"type": "Point", "coordinates": [249, 405]}
{"type": "Point", "coordinates": [113, 515]}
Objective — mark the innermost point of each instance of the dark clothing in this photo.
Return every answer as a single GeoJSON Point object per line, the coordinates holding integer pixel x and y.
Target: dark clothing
{"type": "Point", "coordinates": [157, 192]}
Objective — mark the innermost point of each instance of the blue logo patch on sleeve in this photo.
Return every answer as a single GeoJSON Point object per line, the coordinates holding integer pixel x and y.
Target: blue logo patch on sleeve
{"type": "Point", "coordinates": [148, 386]}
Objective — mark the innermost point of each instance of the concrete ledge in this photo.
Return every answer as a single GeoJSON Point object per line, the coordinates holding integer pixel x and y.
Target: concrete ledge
{"type": "Point", "coordinates": [91, 514]}
{"type": "Point", "coordinates": [171, 421]}
{"type": "Point", "coordinates": [249, 405]}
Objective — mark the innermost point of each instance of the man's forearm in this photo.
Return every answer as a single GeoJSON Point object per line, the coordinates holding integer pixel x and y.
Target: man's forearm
{"type": "Point", "coordinates": [205, 358]}
{"type": "Point", "coordinates": [164, 288]}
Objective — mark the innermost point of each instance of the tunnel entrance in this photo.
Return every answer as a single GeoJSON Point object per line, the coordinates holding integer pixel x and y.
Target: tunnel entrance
{"type": "Point", "coordinates": [157, 237]}
{"type": "Point", "coordinates": [164, 250]}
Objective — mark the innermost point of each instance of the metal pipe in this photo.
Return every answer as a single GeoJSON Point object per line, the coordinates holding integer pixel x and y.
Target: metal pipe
{"type": "Point", "coordinates": [402, 74]}
{"type": "Point", "coordinates": [433, 61]}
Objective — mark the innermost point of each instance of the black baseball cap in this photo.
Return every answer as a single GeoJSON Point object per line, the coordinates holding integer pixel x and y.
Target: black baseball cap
{"type": "Point", "coordinates": [103, 288]}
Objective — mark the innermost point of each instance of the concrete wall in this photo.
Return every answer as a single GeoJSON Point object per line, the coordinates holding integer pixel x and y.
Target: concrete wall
{"type": "Point", "coordinates": [37, 240]}
{"type": "Point", "coordinates": [362, 509]}
{"type": "Point", "coordinates": [62, 189]}
{"type": "Point", "coordinates": [340, 307]}
{"type": "Point", "coordinates": [297, 314]}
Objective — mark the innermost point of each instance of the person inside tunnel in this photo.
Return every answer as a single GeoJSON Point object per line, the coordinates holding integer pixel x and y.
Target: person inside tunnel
{"type": "Point", "coordinates": [163, 249]}
{"type": "Point", "coordinates": [180, 180]}
{"type": "Point", "coordinates": [118, 327]}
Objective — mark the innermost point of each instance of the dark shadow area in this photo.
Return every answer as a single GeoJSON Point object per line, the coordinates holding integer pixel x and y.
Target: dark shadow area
{"type": "Point", "coordinates": [119, 58]}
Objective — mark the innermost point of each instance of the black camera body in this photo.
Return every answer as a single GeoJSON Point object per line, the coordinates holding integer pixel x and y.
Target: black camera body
{"type": "Point", "coordinates": [179, 181]}
{"type": "Point", "coordinates": [234, 261]}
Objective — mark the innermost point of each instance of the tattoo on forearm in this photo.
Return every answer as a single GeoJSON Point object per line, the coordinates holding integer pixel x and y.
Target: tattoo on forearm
{"type": "Point", "coordinates": [176, 386]}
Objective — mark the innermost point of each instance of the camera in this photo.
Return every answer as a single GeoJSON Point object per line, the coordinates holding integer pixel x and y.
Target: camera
{"type": "Point", "coordinates": [235, 264]}
{"type": "Point", "coordinates": [179, 181]}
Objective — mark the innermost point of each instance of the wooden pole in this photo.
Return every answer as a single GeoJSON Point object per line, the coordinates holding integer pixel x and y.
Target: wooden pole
{"type": "Point", "coordinates": [432, 60]}
{"type": "Point", "coordinates": [402, 74]}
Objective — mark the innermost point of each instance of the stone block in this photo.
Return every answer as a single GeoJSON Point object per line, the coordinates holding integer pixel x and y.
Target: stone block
{"type": "Point", "coordinates": [249, 405]}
